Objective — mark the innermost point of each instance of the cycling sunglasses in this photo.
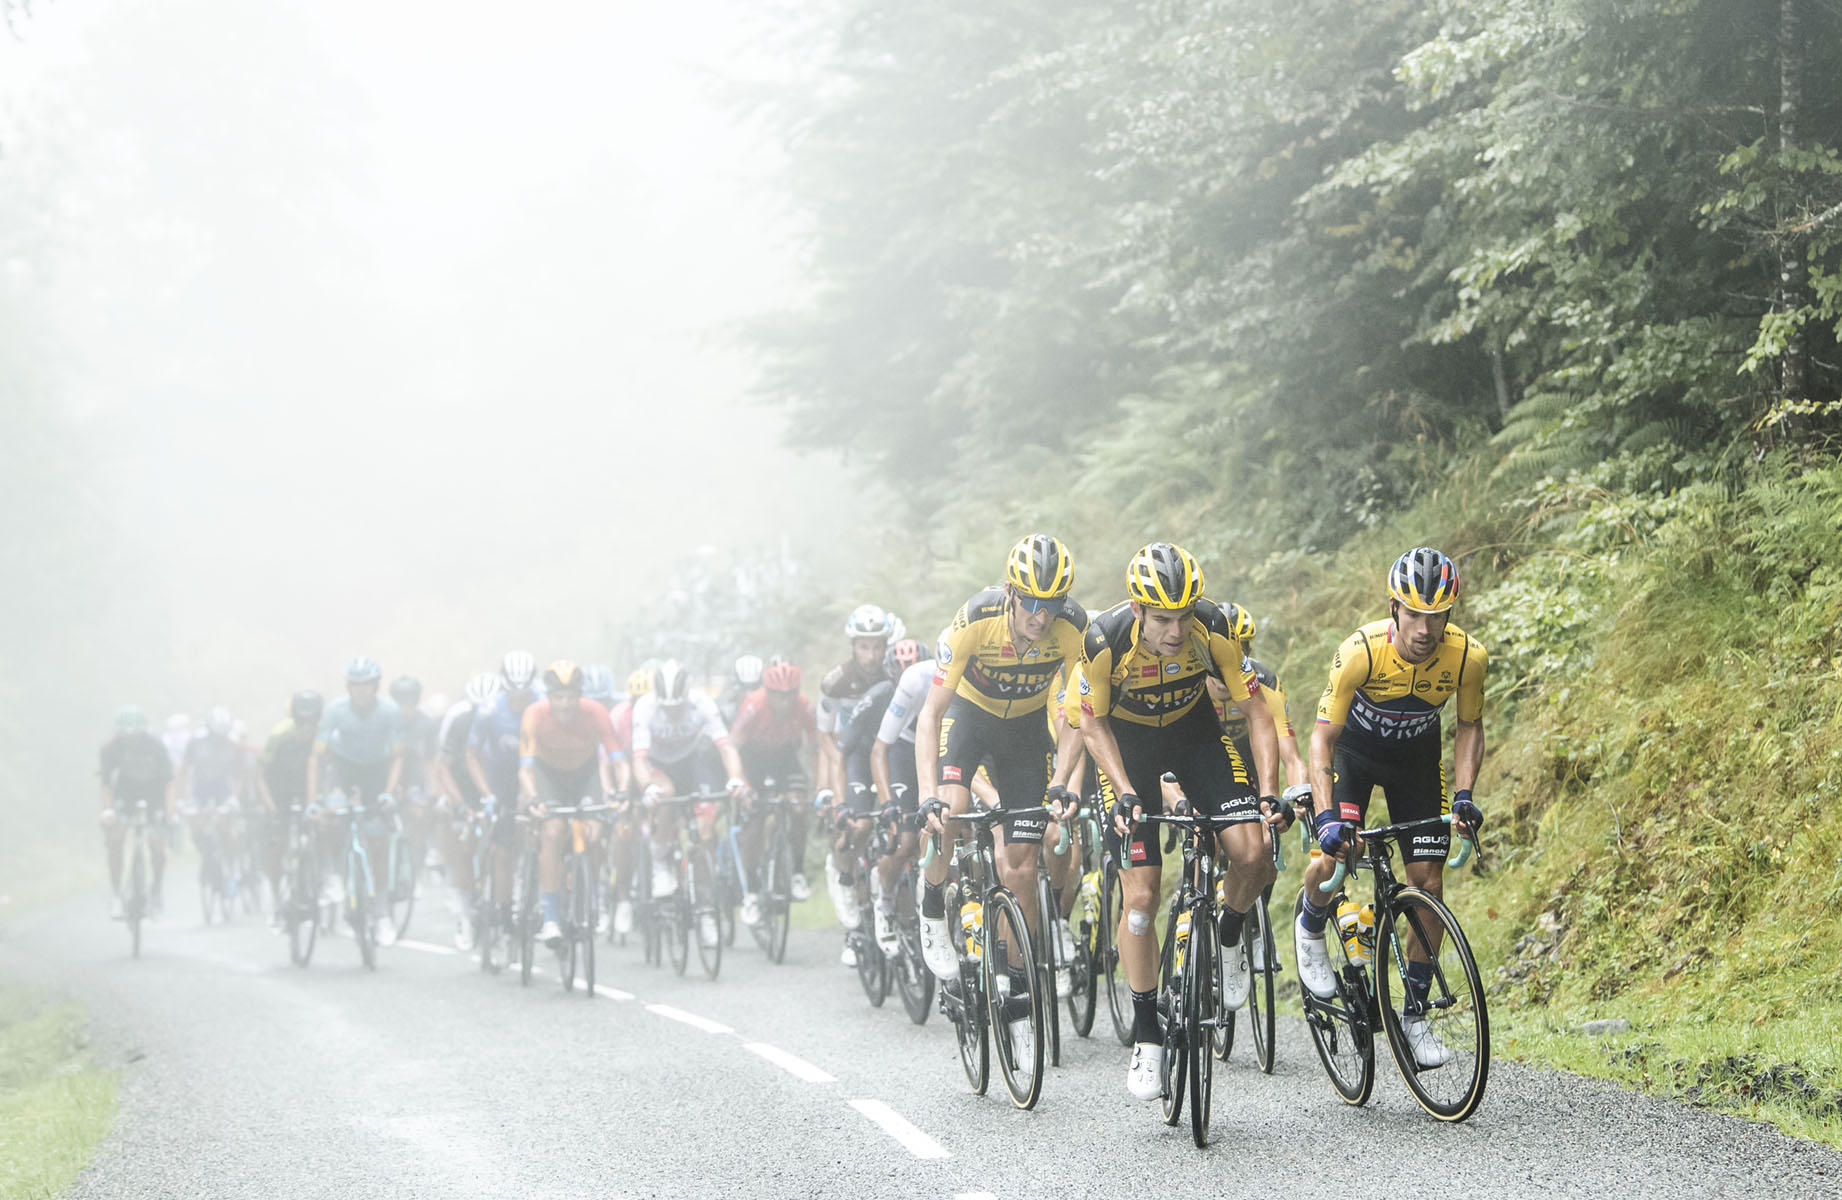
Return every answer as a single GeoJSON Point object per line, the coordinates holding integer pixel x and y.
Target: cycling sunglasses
{"type": "Point", "coordinates": [1036, 604]}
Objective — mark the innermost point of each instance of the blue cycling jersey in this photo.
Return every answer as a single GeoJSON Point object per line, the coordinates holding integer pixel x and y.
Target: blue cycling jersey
{"type": "Point", "coordinates": [494, 737]}
{"type": "Point", "coordinates": [362, 739]}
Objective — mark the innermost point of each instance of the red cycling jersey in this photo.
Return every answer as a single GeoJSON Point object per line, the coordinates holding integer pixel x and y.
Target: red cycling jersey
{"type": "Point", "coordinates": [565, 747]}
{"type": "Point", "coordinates": [763, 724]}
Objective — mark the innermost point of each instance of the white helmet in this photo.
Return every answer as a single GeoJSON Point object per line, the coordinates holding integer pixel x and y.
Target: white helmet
{"type": "Point", "coordinates": [482, 688]}
{"type": "Point", "coordinates": [748, 670]}
{"type": "Point", "coordinates": [219, 722]}
{"type": "Point", "coordinates": [671, 683]}
{"type": "Point", "coordinates": [867, 620]}
{"type": "Point", "coordinates": [519, 670]}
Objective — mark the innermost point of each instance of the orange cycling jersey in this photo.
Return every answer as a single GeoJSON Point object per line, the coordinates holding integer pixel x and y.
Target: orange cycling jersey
{"type": "Point", "coordinates": [1121, 678]}
{"type": "Point", "coordinates": [1234, 718]}
{"type": "Point", "coordinates": [542, 737]}
{"type": "Point", "coordinates": [980, 660]}
{"type": "Point", "coordinates": [1380, 696]}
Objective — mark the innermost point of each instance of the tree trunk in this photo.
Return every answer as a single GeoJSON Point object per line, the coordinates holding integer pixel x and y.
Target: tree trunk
{"type": "Point", "coordinates": [1793, 275]}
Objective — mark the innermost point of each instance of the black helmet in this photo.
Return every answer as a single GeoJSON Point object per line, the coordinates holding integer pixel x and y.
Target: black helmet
{"type": "Point", "coordinates": [406, 690]}
{"type": "Point", "coordinates": [306, 705]}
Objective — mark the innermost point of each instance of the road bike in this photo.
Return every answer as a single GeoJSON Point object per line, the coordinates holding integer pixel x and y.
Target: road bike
{"type": "Point", "coordinates": [1377, 994]}
{"type": "Point", "coordinates": [135, 904]}
{"type": "Point", "coordinates": [299, 899]}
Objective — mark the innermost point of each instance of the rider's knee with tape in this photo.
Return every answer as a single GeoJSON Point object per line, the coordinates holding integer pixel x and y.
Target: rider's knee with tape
{"type": "Point", "coordinates": [1137, 923]}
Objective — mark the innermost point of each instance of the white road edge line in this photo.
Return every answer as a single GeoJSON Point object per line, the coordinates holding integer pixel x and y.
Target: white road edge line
{"type": "Point", "coordinates": [898, 1127]}
{"type": "Point", "coordinates": [794, 1065]}
{"type": "Point", "coordinates": [691, 1019]}
{"type": "Point", "coordinates": [426, 947]}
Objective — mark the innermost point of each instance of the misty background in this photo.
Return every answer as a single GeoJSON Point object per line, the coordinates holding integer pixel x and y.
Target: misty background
{"type": "Point", "coordinates": [405, 330]}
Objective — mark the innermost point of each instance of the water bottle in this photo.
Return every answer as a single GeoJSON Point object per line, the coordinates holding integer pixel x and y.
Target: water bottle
{"type": "Point", "coordinates": [1365, 930]}
{"type": "Point", "coordinates": [971, 915]}
{"type": "Point", "coordinates": [1183, 939]}
{"type": "Point", "coordinates": [1349, 924]}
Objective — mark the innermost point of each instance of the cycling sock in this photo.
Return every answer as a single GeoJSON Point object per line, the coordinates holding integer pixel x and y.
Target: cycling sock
{"type": "Point", "coordinates": [1145, 1026]}
{"type": "Point", "coordinates": [1230, 926]}
{"type": "Point", "coordinates": [546, 902]}
{"type": "Point", "coordinates": [1419, 983]}
{"type": "Point", "coordinates": [933, 901]}
{"type": "Point", "coordinates": [1313, 918]}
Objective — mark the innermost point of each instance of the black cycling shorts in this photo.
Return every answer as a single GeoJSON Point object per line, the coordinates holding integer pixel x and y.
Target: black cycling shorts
{"type": "Point", "coordinates": [777, 763]}
{"type": "Point", "coordinates": [699, 771]}
{"type": "Point", "coordinates": [1209, 769]}
{"type": "Point", "coordinates": [904, 786]}
{"type": "Point", "coordinates": [369, 778]}
{"type": "Point", "coordinates": [1411, 774]}
{"type": "Point", "coordinates": [558, 788]}
{"type": "Point", "coordinates": [1018, 754]}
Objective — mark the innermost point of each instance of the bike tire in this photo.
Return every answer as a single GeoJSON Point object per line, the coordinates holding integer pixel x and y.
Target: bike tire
{"type": "Point", "coordinates": [1024, 1081]}
{"type": "Point", "coordinates": [872, 968]}
{"type": "Point", "coordinates": [912, 978]}
{"type": "Point", "coordinates": [1201, 1002]}
{"type": "Point", "coordinates": [704, 888]}
{"type": "Point", "coordinates": [966, 998]}
{"type": "Point", "coordinates": [1452, 1091]}
{"type": "Point", "coordinates": [1046, 964]}
{"type": "Point", "coordinates": [677, 930]}
{"type": "Point", "coordinates": [1118, 991]}
{"type": "Point", "coordinates": [1262, 1017]}
{"type": "Point", "coordinates": [303, 909]}
{"type": "Point", "coordinates": [585, 913]}
{"type": "Point", "coordinates": [1083, 984]}
{"type": "Point", "coordinates": [358, 911]}
{"type": "Point", "coordinates": [402, 890]}
{"type": "Point", "coordinates": [777, 899]}
{"type": "Point", "coordinates": [1341, 1027]}
{"type": "Point", "coordinates": [1170, 1020]}
{"type": "Point", "coordinates": [524, 916]}
{"type": "Point", "coordinates": [137, 900]}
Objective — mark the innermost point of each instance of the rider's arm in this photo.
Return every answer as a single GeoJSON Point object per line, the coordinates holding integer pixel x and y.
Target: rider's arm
{"type": "Point", "coordinates": [1288, 738]}
{"type": "Point", "coordinates": [477, 769]}
{"type": "Point", "coordinates": [927, 739]}
{"type": "Point", "coordinates": [1097, 735]}
{"type": "Point", "coordinates": [1468, 738]}
{"type": "Point", "coordinates": [1265, 742]}
{"type": "Point", "coordinates": [879, 771]}
{"type": "Point", "coordinates": [1068, 760]}
{"type": "Point", "coordinates": [1323, 749]}
{"type": "Point", "coordinates": [1467, 754]}
{"type": "Point", "coordinates": [527, 753]}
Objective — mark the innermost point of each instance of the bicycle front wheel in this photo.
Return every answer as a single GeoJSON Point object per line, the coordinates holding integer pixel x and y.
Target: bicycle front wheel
{"type": "Point", "coordinates": [302, 908]}
{"type": "Point", "coordinates": [706, 923]}
{"type": "Point", "coordinates": [1083, 983]}
{"type": "Point", "coordinates": [964, 998]}
{"type": "Point", "coordinates": [1201, 1005]}
{"type": "Point", "coordinates": [524, 916]}
{"type": "Point", "coordinates": [358, 910]}
{"type": "Point", "coordinates": [401, 895]}
{"type": "Point", "coordinates": [777, 897]}
{"type": "Point", "coordinates": [1437, 1025]}
{"type": "Point", "coordinates": [136, 907]}
{"type": "Point", "coordinates": [583, 915]}
{"type": "Point", "coordinates": [1018, 1023]}
{"type": "Point", "coordinates": [1047, 964]}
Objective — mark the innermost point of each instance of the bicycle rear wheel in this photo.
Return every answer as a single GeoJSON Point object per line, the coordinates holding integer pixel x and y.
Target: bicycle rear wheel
{"type": "Point", "coordinates": [136, 907]}
{"type": "Point", "coordinates": [912, 978]}
{"type": "Point", "coordinates": [1083, 985]}
{"type": "Point", "coordinates": [524, 915]}
{"type": "Point", "coordinates": [1201, 1003]}
{"type": "Point", "coordinates": [302, 907]}
{"type": "Point", "coordinates": [1171, 1020]}
{"type": "Point", "coordinates": [777, 897]}
{"type": "Point", "coordinates": [358, 910]}
{"type": "Point", "coordinates": [872, 968]}
{"type": "Point", "coordinates": [1118, 991]}
{"type": "Point", "coordinates": [1447, 1061]}
{"type": "Point", "coordinates": [1341, 1027]}
{"type": "Point", "coordinates": [1005, 936]}
{"type": "Point", "coordinates": [584, 912]}
{"type": "Point", "coordinates": [1262, 964]}
{"type": "Point", "coordinates": [1046, 964]}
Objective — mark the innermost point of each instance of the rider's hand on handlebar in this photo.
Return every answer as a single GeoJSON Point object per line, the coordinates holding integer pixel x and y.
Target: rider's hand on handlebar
{"type": "Point", "coordinates": [932, 819]}
{"type": "Point", "coordinates": [1127, 812]}
{"type": "Point", "coordinates": [1062, 803]}
{"type": "Point", "coordinates": [1334, 833]}
{"type": "Point", "coordinates": [1277, 814]}
{"type": "Point", "coordinates": [1467, 817]}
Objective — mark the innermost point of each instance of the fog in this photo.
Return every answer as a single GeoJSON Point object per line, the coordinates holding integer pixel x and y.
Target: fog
{"type": "Point", "coordinates": [404, 329]}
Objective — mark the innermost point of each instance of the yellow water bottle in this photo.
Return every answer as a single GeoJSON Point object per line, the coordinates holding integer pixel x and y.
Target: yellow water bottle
{"type": "Point", "coordinates": [1183, 938]}
{"type": "Point", "coordinates": [1349, 924]}
{"type": "Point", "coordinates": [1365, 931]}
{"type": "Point", "coordinates": [971, 915]}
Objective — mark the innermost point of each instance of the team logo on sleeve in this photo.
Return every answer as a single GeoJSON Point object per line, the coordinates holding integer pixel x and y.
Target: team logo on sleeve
{"type": "Point", "coordinates": [944, 653]}
{"type": "Point", "coordinates": [949, 774]}
{"type": "Point", "coordinates": [1086, 689]}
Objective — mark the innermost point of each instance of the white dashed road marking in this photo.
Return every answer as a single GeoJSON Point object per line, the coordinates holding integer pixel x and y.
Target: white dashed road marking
{"type": "Point", "coordinates": [427, 947]}
{"type": "Point", "coordinates": [898, 1127]}
{"type": "Point", "coordinates": [794, 1065]}
{"type": "Point", "coordinates": [691, 1019]}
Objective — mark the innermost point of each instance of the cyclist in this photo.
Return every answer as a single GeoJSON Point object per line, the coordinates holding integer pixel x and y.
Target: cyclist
{"type": "Point", "coordinates": [214, 776]}
{"type": "Point", "coordinates": [176, 737]}
{"type": "Point", "coordinates": [639, 682]}
{"type": "Point", "coordinates": [866, 758]}
{"type": "Point", "coordinates": [996, 670]}
{"type": "Point", "coordinates": [680, 745]}
{"type": "Point", "coordinates": [359, 753]}
{"type": "Point", "coordinates": [282, 780]}
{"type": "Point", "coordinates": [1143, 712]}
{"type": "Point", "coordinates": [564, 740]}
{"type": "Point", "coordinates": [746, 679]}
{"type": "Point", "coordinates": [492, 759]}
{"type": "Point", "coordinates": [1378, 724]}
{"type": "Point", "coordinates": [1234, 721]}
{"type": "Point", "coordinates": [598, 685]}
{"type": "Point", "coordinates": [773, 725]}
{"type": "Point", "coordinates": [417, 738]}
{"type": "Point", "coordinates": [462, 791]}
{"type": "Point", "coordinates": [135, 767]}
{"type": "Point", "coordinates": [870, 631]}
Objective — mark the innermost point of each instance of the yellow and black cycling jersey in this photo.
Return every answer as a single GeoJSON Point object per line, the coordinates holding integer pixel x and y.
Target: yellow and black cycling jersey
{"type": "Point", "coordinates": [1234, 718]}
{"type": "Point", "coordinates": [980, 660]}
{"type": "Point", "coordinates": [1377, 694]}
{"type": "Point", "coordinates": [1122, 679]}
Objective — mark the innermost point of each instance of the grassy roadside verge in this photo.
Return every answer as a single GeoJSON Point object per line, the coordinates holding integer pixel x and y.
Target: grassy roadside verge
{"type": "Point", "coordinates": [55, 1105]}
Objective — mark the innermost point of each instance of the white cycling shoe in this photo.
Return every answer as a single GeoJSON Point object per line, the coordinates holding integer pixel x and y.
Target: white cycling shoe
{"type": "Point", "coordinates": [1234, 977]}
{"type": "Point", "coordinates": [799, 889]}
{"type": "Point", "coordinates": [1144, 1077]}
{"type": "Point", "coordinates": [937, 948]}
{"type": "Point", "coordinates": [843, 896]}
{"type": "Point", "coordinates": [885, 930]}
{"type": "Point", "coordinates": [751, 909]}
{"type": "Point", "coordinates": [550, 934]}
{"type": "Point", "coordinates": [463, 934]}
{"type": "Point", "coordinates": [1428, 1050]}
{"type": "Point", "coordinates": [707, 932]}
{"type": "Point", "coordinates": [1313, 963]}
{"type": "Point", "coordinates": [848, 956]}
{"type": "Point", "coordinates": [623, 918]}
{"type": "Point", "coordinates": [664, 880]}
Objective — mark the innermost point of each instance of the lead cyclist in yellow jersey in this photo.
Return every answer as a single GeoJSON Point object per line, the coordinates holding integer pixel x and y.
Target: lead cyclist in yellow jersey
{"type": "Point", "coordinates": [1378, 724]}
{"type": "Point", "coordinates": [996, 670]}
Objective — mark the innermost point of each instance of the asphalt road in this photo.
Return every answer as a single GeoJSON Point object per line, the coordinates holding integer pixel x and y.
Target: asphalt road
{"type": "Point", "coordinates": [244, 1076]}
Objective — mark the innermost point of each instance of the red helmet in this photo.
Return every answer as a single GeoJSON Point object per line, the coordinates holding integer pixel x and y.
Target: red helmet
{"type": "Point", "coordinates": [781, 677]}
{"type": "Point", "coordinates": [901, 656]}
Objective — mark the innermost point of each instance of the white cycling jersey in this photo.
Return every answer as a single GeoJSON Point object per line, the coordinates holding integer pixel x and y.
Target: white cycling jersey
{"type": "Point", "coordinates": [670, 735]}
{"type": "Point", "coordinates": [905, 705]}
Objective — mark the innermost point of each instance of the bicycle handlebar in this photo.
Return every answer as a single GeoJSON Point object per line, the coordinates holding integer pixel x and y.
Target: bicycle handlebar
{"type": "Point", "coordinates": [1466, 846]}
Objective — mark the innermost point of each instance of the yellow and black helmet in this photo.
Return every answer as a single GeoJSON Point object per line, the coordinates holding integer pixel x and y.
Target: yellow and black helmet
{"type": "Point", "coordinates": [1164, 576]}
{"type": "Point", "coordinates": [639, 682]}
{"type": "Point", "coordinates": [562, 675]}
{"type": "Point", "coordinates": [1040, 567]}
{"type": "Point", "coordinates": [1424, 580]}
{"type": "Point", "coordinates": [1243, 626]}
